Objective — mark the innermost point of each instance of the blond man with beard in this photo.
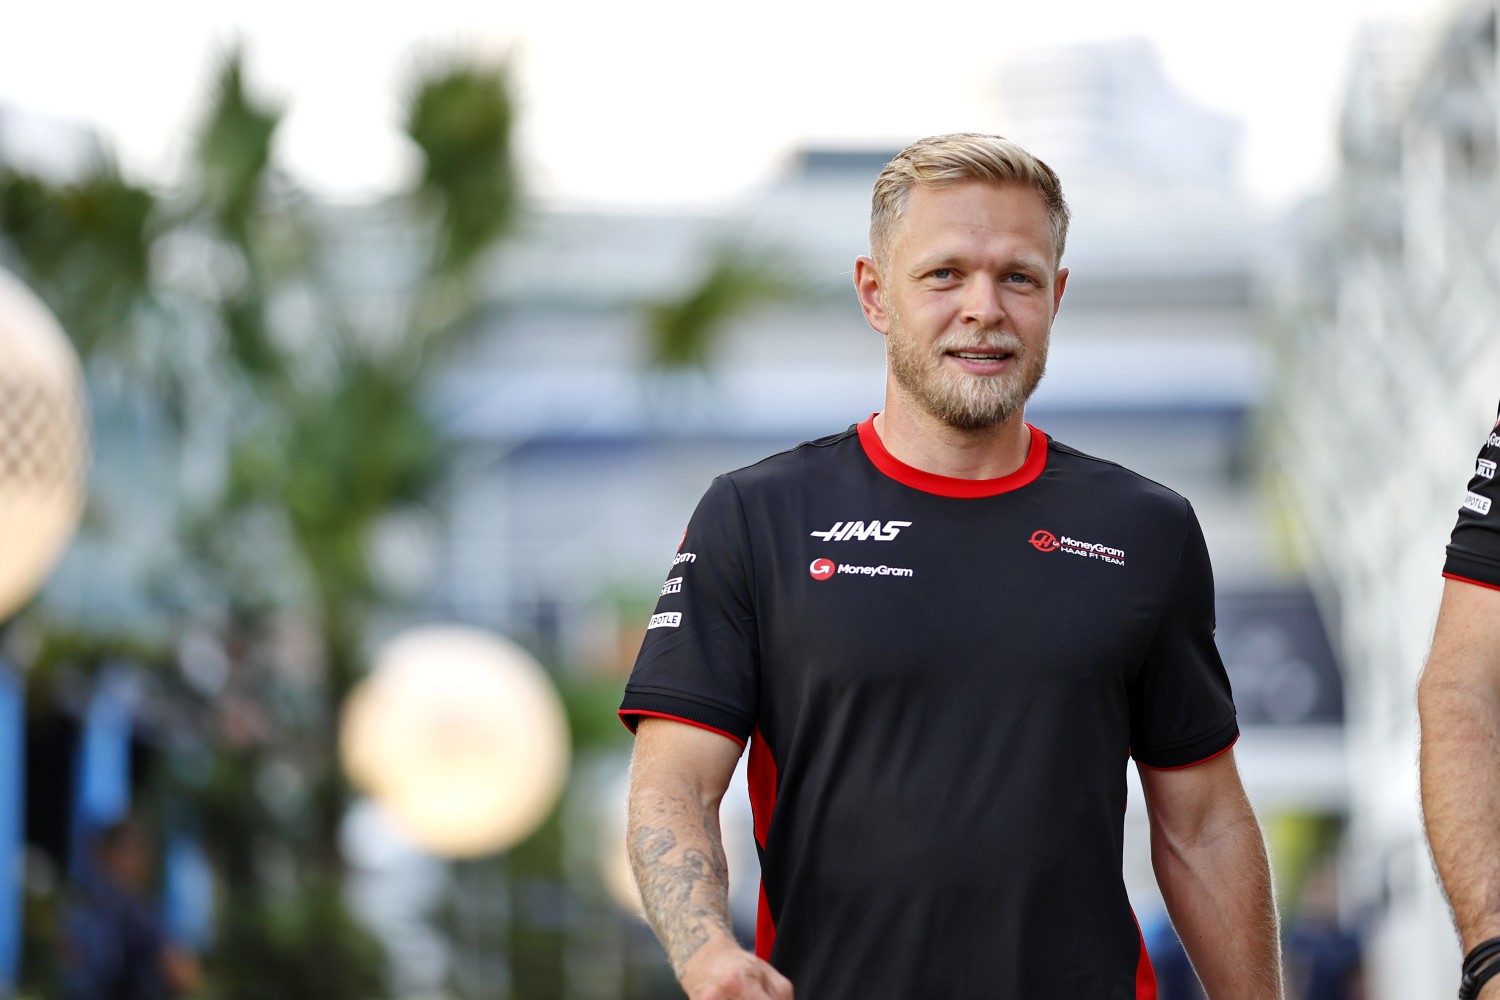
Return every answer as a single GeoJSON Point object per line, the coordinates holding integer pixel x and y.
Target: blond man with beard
{"type": "Point", "coordinates": [942, 635]}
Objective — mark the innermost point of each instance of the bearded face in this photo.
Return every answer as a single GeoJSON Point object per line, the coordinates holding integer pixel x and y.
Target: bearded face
{"type": "Point", "coordinates": [963, 399]}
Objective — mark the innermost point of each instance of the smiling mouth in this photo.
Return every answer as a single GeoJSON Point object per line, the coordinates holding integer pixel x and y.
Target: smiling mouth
{"type": "Point", "coordinates": [980, 355]}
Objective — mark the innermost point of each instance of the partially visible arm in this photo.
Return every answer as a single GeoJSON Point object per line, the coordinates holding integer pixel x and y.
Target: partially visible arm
{"type": "Point", "coordinates": [677, 778]}
{"type": "Point", "coordinates": [1210, 861]}
{"type": "Point", "coordinates": [1459, 702]}
{"type": "Point", "coordinates": [183, 974]}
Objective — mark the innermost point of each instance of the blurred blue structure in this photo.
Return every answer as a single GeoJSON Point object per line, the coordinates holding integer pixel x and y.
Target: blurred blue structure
{"type": "Point", "coordinates": [101, 790]}
{"type": "Point", "coordinates": [188, 894]}
{"type": "Point", "coordinates": [12, 798]}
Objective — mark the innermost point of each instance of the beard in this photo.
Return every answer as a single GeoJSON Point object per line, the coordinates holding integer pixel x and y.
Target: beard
{"type": "Point", "coordinates": [963, 401]}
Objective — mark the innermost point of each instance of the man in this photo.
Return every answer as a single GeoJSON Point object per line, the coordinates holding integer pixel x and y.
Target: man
{"type": "Point", "coordinates": [1459, 703]}
{"type": "Point", "coordinates": [114, 944]}
{"type": "Point", "coordinates": [942, 634]}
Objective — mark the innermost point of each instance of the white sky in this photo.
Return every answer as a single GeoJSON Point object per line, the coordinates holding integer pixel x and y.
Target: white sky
{"type": "Point", "coordinates": [666, 102]}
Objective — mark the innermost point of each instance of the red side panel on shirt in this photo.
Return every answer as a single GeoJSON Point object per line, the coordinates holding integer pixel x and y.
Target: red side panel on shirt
{"type": "Point", "coordinates": [761, 774]}
{"type": "Point", "coordinates": [1145, 975]}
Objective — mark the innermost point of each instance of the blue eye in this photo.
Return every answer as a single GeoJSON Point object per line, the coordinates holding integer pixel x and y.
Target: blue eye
{"type": "Point", "coordinates": [943, 273]}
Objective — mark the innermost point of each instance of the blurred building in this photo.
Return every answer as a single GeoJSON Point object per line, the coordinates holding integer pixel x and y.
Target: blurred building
{"type": "Point", "coordinates": [1388, 367]}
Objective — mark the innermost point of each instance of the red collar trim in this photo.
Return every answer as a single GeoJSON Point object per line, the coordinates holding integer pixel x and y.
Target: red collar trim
{"type": "Point", "coordinates": [931, 482]}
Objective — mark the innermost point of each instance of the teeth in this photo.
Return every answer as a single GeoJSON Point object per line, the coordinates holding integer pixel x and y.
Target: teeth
{"type": "Point", "coordinates": [979, 357]}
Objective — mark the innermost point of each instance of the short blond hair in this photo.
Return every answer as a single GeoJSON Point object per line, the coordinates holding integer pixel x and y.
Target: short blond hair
{"type": "Point", "coordinates": [943, 160]}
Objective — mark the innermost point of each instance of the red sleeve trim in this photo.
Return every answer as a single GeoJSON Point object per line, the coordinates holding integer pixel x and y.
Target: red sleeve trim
{"type": "Point", "coordinates": [947, 486]}
{"type": "Point", "coordinates": [627, 714]}
{"type": "Point", "coordinates": [1205, 760]}
{"type": "Point", "coordinates": [1465, 579]}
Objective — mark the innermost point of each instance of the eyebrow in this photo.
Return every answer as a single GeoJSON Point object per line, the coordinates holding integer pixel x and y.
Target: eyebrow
{"type": "Point", "coordinates": [934, 261]}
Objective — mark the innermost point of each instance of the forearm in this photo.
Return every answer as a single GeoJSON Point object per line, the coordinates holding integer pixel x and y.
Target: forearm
{"type": "Point", "coordinates": [1460, 713]}
{"type": "Point", "coordinates": [1217, 887]}
{"type": "Point", "coordinates": [677, 854]}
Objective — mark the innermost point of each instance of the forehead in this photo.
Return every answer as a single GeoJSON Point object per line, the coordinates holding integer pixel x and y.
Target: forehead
{"type": "Point", "coordinates": [973, 214]}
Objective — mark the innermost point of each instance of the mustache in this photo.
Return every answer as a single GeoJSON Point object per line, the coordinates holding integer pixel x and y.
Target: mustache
{"type": "Point", "coordinates": [995, 340]}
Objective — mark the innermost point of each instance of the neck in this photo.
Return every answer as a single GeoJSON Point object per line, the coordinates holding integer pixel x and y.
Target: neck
{"type": "Point", "coordinates": [924, 442]}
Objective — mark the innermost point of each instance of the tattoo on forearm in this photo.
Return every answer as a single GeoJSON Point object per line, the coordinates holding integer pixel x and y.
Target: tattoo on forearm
{"type": "Point", "coordinates": [685, 887]}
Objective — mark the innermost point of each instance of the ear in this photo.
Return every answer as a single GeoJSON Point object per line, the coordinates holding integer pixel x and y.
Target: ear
{"type": "Point", "coordinates": [870, 288]}
{"type": "Point", "coordinates": [1060, 283]}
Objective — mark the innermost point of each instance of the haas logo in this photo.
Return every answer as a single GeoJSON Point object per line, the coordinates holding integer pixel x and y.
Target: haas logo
{"type": "Point", "coordinates": [822, 569]}
{"type": "Point", "coordinates": [859, 531]}
{"type": "Point", "coordinates": [1045, 541]}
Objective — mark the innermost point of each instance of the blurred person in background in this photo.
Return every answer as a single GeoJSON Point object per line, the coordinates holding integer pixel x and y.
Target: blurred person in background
{"type": "Point", "coordinates": [1459, 702]}
{"type": "Point", "coordinates": [1323, 956]}
{"type": "Point", "coordinates": [114, 944]}
{"type": "Point", "coordinates": [942, 635]}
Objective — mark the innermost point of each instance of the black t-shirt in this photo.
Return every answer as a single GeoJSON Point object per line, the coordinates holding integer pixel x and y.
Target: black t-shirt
{"type": "Point", "coordinates": [941, 681]}
{"type": "Point", "coordinates": [1474, 552]}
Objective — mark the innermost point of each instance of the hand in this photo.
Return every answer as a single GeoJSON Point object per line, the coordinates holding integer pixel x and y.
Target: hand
{"type": "Point", "coordinates": [721, 970]}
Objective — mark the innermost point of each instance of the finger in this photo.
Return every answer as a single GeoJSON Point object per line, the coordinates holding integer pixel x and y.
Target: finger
{"type": "Point", "coordinates": [778, 987]}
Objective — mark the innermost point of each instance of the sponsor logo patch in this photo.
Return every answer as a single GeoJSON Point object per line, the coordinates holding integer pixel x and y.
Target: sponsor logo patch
{"type": "Point", "coordinates": [684, 557]}
{"type": "Point", "coordinates": [672, 586]}
{"type": "Point", "coordinates": [1477, 503]}
{"type": "Point", "coordinates": [1494, 441]}
{"type": "Point", "coordinates": [667, 619]}
{"type": "Point", "coordinates": [827, 569]}
{"type": "Point", "coordinates": [1485, 469]}
{"type": "Point", "coordinates": [861, 531]}
{"type": "Point", "coordinates": [1046, 541]}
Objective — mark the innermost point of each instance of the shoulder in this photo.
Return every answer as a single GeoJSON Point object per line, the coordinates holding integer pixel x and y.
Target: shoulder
{"type": "Point", "coordinates": [796, 463]}
{"type": "Point", "coordinates": [1113, 483]}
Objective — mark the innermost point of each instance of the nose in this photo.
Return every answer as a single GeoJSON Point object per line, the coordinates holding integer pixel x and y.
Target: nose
{"type": "Point", "coordinates": [981, 304]}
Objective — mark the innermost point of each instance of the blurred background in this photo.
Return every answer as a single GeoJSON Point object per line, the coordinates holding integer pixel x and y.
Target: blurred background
{"type": "Point", "coordinates": [393, 350]}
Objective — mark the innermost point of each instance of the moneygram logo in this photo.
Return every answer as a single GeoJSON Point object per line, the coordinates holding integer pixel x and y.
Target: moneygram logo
{"type": "Point", "coordinates": [1044, 541]}
{"type": "Point", "coordinates": [684, 557]}
{"type": "Point", "coordinates": [827, 569]}
{"type": "Point", "coordinates": [1485, 469]}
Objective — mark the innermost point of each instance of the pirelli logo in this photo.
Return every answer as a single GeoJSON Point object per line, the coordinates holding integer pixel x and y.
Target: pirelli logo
{"type": "Point", "coordinates": [1485, 469]}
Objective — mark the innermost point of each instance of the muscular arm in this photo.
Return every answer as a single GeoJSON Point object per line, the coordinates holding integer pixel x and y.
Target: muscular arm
{"type": "Point", "coordinates": [677, 777]}
{"type": "Point", "coordinates": [1459, 702]}
{"type": "Point", "coordinates": [1210, 861]}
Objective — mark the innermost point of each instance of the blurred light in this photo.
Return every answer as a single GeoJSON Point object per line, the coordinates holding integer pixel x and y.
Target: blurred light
{"type": "Point", "coordinates": [43, 443]}
{"type": "Point", "coordinates": [461, 736]}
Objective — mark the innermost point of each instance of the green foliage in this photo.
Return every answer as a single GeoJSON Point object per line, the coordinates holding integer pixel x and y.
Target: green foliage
{"type": "Point", "coordinates": [342, 456]}
{"type": "Point", "coordinates": [85, 248]}
{"type": "Point", "coordinates": [461, 120]}
{"type": "Point", "coordinates": [683, 331]}
{"type": "Point", "coordinates": [299, 943]}
{"type": "Point", "coordinates": [234, 150]}
{"type": "Point", "coordinates": [592, 704]}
